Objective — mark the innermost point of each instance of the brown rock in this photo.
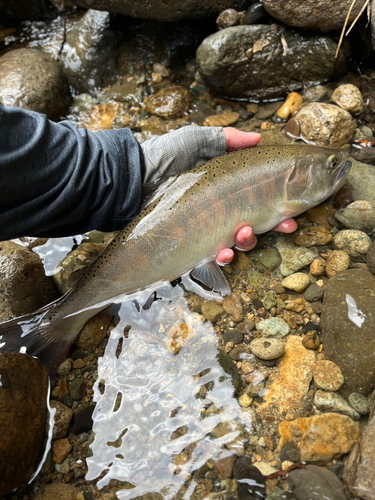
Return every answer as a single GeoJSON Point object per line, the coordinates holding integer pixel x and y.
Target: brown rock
{"type": "Point", "coordinates": [327, 375]}
{"type": "Point", "coordinates": [61, 449]}
{"type": "Point", "coordinates": [320, 438]}
{"type": "Point", "coordinates": [57, 491]}
{"type": "Point", "coordinates": [93, 332]}
{"type": "Point", "coordinates": [317, 267]}
{"type": "Point", "coordinates": [318, 215]}
{"type": "Point", "coordinates": [78, 363]}
{"type": "Point", "coordinates": [337, 261]}
{"type": "Point", "coordinates": [23, 397]}
{"type": "Point", "coordinates": [311, 340]}
{"type": "Point", "coordinates": [233, 307]}
{"type": "Point", "coordinates": [107, 116]}
{"type": "Point", "coordinates": [312, 236]}
{"type": "Point", "coordinates": [348, 97]}
{"type": "Point", "coordinates": [288, 390]}
{"type": "Point", "coordinates": [170, 102]}
{"type": "Point", "coordinates": [225, 465]}
{"type": "Point", "coordinates": [62, 418]}
{"type": "Point", "coordinates": [246, 326]}
{"type": "Point", "coordinates": [222, 120]}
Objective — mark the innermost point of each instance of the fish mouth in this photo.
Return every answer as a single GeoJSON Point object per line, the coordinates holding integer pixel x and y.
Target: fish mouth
{"type": "Point", "coordinates": [344, 169]}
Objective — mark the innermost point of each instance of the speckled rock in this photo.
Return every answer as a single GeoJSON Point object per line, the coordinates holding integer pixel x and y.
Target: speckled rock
{"type": "Point", "coordinates": [311, 340]}
{"type": "Point", "coordinates": [23, 284]}
{"type": "Point", "coordinates": [358, 215]}
{"type": "Point", "coordinates": [321, 16]}
{"type": "Point", "coordinates": [269, 300]}
{"type": "Point", "coordinates": [293, 257]}
{"type": "Point", "coordinates": [320, 438]}
{"type": "Point", "coordinates": [267, 348]}
{"type": "Point", "coordinates": [327, 375]}
{"type": "Point", "coordinates": [297, 282]}
{"type": "Point", "coordinates": [348, 97]}
{"type": "Point", "coordinates": [312, 236]}
{"type": "Point", "coordinates": [317, 266]}
{"type": "Point", "coordinates": [288, 390]}
{"type": "Point", "coordinates": [359, 403]}
{"type": "Point", "coordinates": [354, 243]}
{"type": "Point", "coordinates": [31, 79]}
{"type": "Point", "coordinates": [259, 62]}
{"type": "Point", "coordinates": [170, 102]}
{"type": "Point", "coordinates": [333, 402]}
{"type": "Point", "coordinates": [316, 482]}
{"type": "Point", "coordinates": [62, 418]}
{"type": "Point", "coordinates": [23, 396]}
{"type": "Point", "coordinates": [273, 327]}
{"type": "Point", "coordinates": [228, 18]}
{"type": "Point", "coordinates": [325, 124]}
{"type": "Point", "coordinates": [337, 261]}
{"type": "Point", "coordinates": [212, 311]}
{"type": "Point", "coordinates": [233, 307]}
{"type": "Point", "coordinates": [350, 346]}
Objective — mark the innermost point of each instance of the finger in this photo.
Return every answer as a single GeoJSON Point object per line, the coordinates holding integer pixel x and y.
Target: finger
{"type": "Point", "coordinates": [225, 256]}
{"type": "Point", "coordinates": [287, 226]}
{"type": "Point", "coordinates": [245, 239]}
{"type": "Point", "coordinates": [237, 139]}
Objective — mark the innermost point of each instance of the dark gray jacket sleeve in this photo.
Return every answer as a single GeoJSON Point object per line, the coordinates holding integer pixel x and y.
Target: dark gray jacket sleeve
{"type": "Point", "coordinates": [57, 180]}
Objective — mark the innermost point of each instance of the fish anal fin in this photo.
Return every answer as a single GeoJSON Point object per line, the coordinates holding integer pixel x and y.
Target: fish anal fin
{"type": "Point", "coordinates": [292, 207]}
{"type": "Point", "coordinates": [212, 276]}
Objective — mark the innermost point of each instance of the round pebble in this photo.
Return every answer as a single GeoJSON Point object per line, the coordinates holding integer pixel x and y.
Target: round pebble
{"type": "Point", "coordinates": [245, 401]}
{"type": "Point", "coordinates": [267, 348]}
{"type": "Point", "coordinates": [313, 293]}
{"type": "Point", "coordinates": [297, 282]}
{"type": "Point", "coordinates": [327, 375]}
{"type": "Point", "coordinates": [359, 403]}
{"type": "Point", "coordinates": [337, 261]}
{"type": "Point", "coordinates": [348, 97]}
{"type": "Point", "coordinates": [317, 267]}
{"type": "Point", "coordinates": [355, 243]}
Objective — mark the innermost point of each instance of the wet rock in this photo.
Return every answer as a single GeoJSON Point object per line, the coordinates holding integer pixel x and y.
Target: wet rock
{"type": "Point", "coordinates": [267, 349]}
{"type": "Point", "coordinates": [225, 464]}
{"type": "Point", "coordinates": [313, 293]}
{"type": "Point", "coordinates": [351, 347]}
{"type": "Point", "coordinates": [311, 340]}
{"type": "Point", "coordinates": [354, 243]}
{"type": "Point", "coordinates": [254, 484]}
{"type": "Point", "coordinates": [325, 124]}
{"type": "Point", "coordinates": [246, 326]}
{"type": "Point", "coordinates": [359, 403]}
{"type": "Point", "coordinates": [245, 400]}
{"type": "Point", "coordinates": [273, 327]}
{"type": "Point", "coordinates": [261, 63]}
{"type": "Point", "coordinates": [226, 363]}
{"type": "Point", "coordinates": [82, 421]}
{"type": "Point", "coordinates": [108, 116]}
{"type": "Point", "coordinates": [317, 266]}
{"type": "Point", "coordinates": [57, 491]}
{"type": "Point", "coordinates": [61, 449]}
{"type": "Point", "coordinates": [23, 284]}
{"type": "Point", "coordinates": [94, 331]}
{"type": "Point", "coordinates": [297, 282]}
{"type": "Point", "coordinates": [222, 120]}
{"type": "Point", "coordinates": [237, 352]}
{"type": "Point", "coordinates": [23, 396]}
{"type": "Point", "coordinates": [62, 418]}
{"type": "Point", "coordinates": [31, 79]}
{"type": "Point", "coordinates": [233, 307]}
{"type": "Point", "coordinates": [89, 52]}
{"type": "Point", "coordinates": [325, 16]}
{"type": "Point", "coordinates": [269, 257]}
{"type": "Point", "coordinates": [290, 452]}
{"type": "Point", "coordinates": [348, 97]}
{"type": "Point", "coordinates": [78, 259]}
{"type": "Point", "coordinates": [161, 10]}
{"type": "Point", "coordinates": [318, 93]}
{"type": "Point", "coordinates": [361, 179]}
{"type": "Point", "coordinates": [291, 106]}
{"type": "Point", "coordinates": [316, 482]}
{"type": "Point", "coordinates": [255, 278]}
{"type": "Point", "coordinates": [64, 368]}
{"type": "Point", "coordinates": [337, 261]}
{"type": "Point", "coordinates": [171, 102]}
{"type": "Point", "coordinates": [359, 470]}
{"type": "Point", "coordinates": [359, 215]}
{"type": "Point", "coordinates": [77, 389]}
{"type": "Point", "coordinates": [370, 256]}
{"type": "Point", "coordinates": [320, 438]}
{"type": "Point", "coordinates": [312, 236]}
{"type": "Point", "coordinates": [318, 215]}
{"type": "Point", "coordinates": [293, 257]}
{"type": "Point", "coordinates": [288, 390]}
{"type": "Point", "coordinates": [228, 18]}
{"type": "Point", "coordinates": [232, 336]}
{"type": "Point", "coordinates": [333, 402]}
{"type": "Point", "coordinates": [269, 300]}
{"type": "Point", "coordinates": [327, 375]}
{"type": "Point", "coordinates": [226, 430]}
{"type": "Point", "coordinates": [212, 311]}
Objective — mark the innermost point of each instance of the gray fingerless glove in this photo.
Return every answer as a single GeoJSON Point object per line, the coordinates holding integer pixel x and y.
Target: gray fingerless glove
{"type": "Point", "coordinates": [181, 150]}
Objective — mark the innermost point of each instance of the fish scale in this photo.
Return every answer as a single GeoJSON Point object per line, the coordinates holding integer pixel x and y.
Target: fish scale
{"type": "Point", "coordinates": [187, 221]}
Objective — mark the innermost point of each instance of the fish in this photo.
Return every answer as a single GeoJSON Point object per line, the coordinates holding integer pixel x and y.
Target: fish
{"type": "Point", "coordinates": [182, 227]}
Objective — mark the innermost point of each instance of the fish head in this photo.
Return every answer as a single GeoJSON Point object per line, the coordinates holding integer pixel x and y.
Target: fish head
{"type": "Point", "coordinates": [318, 172]}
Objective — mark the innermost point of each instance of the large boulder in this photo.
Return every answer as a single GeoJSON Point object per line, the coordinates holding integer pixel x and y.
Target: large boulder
{"type": "Point", "coordinates": [23, 398]}
{"type": "Point", "coordinates": [348, 328]}
{"type": "Point", "coordinates": [163, 10]}
{"type": "Point", "coordinates": [257, 62]}
{"type": "Point", "coordinates": [31, 79]}
{"type": "Point", "coordinates": [320, 15]}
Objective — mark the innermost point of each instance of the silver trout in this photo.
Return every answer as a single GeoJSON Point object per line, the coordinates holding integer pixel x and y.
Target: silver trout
{"type": "Point", "coordinates": [184, 225]}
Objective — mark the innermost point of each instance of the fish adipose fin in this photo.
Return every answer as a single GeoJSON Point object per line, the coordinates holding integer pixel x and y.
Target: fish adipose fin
{"type": "Point", "coordinates": [292, 207]}
{"type": "Point", "coordinates": [212, 276]}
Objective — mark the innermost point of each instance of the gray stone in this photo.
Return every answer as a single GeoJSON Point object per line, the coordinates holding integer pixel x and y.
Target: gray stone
{"type": "Point", "coordinates": [315, 482]}
{"type": "Point", "coordinates": [361, 179]}
{"type": "Point", "coordinates": [273, 327]}
{"type": "Point", "coordinates": [244, 469]}
{"type": "Point", "coordinates": [23, 397]}
{"type": "Point", "coordinates": [293, 257]}
{"type": "Point", "coordinates": [260, 63]}
{"type": "Point", "coordinates": [290, 452]}
{"type": "Point", "coordinates": [333, 402]}
{"type": "Point", "coordinates": [77, 389]}
{"type": "Point", "coordinates": [350, 346]}
{"type": "Point", "coordinates": [62, 418]}
{"type": "Point", "coordinates": [31, 79]}
{"type": "Point", "coordinates": [230, 368]}
{"type": "Point", "coordinates": [359, 403]}
{"type": "Point", "coordinates": [233, 336]}
{"type": "Point", "coordinates": [313, 293]}
{"type": "Point", "coordinates": [269, 299]}
{"type": "Point", "coordinates": [267, 348]}
{"type": "Point", "coordinates": [358, 215]}
{"type": "Point", "coordinates": [212, 311]}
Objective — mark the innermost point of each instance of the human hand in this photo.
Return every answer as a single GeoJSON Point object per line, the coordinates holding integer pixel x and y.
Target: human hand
{"type": "Point", "coordinates": [245, 238]}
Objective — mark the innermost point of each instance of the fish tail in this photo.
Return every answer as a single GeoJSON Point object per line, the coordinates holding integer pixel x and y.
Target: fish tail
{"type": "Point", "coordinates": [34, 334]}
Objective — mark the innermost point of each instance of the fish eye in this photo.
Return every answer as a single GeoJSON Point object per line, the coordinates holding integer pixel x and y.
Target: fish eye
{"type": "Point", "coordinates": [332, 161]}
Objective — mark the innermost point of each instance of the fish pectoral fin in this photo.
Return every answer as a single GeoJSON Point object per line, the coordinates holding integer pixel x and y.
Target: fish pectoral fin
{"type": "Point", "coordinates": [75, 276]}
{"type": "Point", "coordinates": [212, 276]}
{"type": "Point", "coordinates": [292, 207]}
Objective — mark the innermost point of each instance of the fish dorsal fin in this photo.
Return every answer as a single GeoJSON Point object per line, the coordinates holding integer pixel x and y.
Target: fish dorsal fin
{"type": "Point", "coordinates": [212, 276]}
{"type": "Point", "coordinates": [75, 276]}
{"type": "Point", "coordinates": [292, 207]}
